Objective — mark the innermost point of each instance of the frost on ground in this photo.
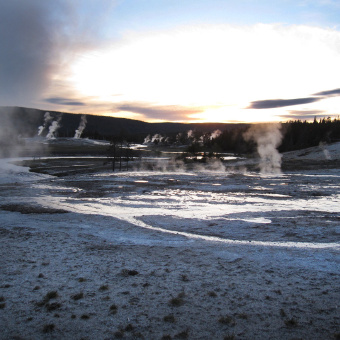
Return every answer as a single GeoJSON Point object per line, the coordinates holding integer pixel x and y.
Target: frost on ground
{"type": "Point", "coordinates": [150, 255]}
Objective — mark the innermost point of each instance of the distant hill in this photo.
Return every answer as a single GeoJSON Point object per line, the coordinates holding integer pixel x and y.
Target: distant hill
{"type": "Point", "coordinates": [26, 121]}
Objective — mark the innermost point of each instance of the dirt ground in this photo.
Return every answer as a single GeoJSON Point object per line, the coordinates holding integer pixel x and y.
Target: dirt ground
{"type": "Point", "coordinates": [62, 284]}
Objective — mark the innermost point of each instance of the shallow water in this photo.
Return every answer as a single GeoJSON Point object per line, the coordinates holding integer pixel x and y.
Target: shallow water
{"type": "Point", "coordinates": [299, 210]}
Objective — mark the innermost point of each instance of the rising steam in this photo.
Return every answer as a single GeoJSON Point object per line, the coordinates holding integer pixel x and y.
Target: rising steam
{"type": "Point", "coordinates": [267, 137]}
{"type": "Point", "coordinates": [47, 119]}
{"type": "Point", "coordinates": [156, 139]}
{"type": "Point", "coordinates": [182, 138]}
{"type": "Point", "coordinates": [54, 128]}
{"type": "Point", "coordinates": [190, 134]}
{"type": "Point", "coordinates": [81, 127]}
{"type": "Point", "coordinates": [326, 153]}
{"type": "Point", "coordinates": [215, 134]}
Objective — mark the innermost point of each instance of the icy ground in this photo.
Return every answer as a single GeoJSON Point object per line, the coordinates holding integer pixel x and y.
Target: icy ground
{"type": "Point", "coordinates": [198, 255]}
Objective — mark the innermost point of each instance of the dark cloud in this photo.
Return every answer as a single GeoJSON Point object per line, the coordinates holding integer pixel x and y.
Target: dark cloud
{"type": "Point", "coordinates": [306, 112]}
{"type": "Point", "coordinates": [335, 92]}
{"type": "Point", "coordinates": [171, 112]}
{"type": "Point", "coordinates": [305, 115]}
{"type": "Point", "coordinates": [63, 101]}
{"type": "Point", "coordinates": [275, 103]}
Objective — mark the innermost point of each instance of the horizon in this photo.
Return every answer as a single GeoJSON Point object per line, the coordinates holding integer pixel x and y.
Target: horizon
{"type": "Point", "coordinates": [294, 119]}
{"type": "Point", "coordinates": [174, 61]}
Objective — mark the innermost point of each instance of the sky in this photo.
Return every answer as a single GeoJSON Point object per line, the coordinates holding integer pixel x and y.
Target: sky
{"type": "Point", "coordinates": [173, 60]}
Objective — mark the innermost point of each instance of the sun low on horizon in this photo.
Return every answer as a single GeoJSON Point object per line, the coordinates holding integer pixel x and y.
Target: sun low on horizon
{"type": "Point", "coordinates": [218, 61]}
{"type": "Point", "coordinates": [211, 74]}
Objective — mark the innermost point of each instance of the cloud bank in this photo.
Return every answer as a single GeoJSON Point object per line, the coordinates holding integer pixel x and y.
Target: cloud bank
{"type": "Point", "coordinates": [335, 92]}
{"type": "Point", "coordinates": [305, 114]}
{"type": "Point", "coordinates": [64, 101]}
{"type": "Point", "coordinates": [151, 112]}
{"type": "Point", "coordinates": [275, 103]}
{"type": "Point", "coordinates": [297, 114]}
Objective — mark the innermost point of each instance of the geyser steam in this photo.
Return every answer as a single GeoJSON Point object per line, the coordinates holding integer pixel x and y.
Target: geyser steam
{"type": "Point", "coordinates": [215, 134]}
{"type": "Point", "coordinates": [47, 119]}
{"type": "Point", "coordinates": [267, 137]}
{"type": "Point", "coordinates": [81, 127]}
{"type": "Point", "coordinates": [54, 128]}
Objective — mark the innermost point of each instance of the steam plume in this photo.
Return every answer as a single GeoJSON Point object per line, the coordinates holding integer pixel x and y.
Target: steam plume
{"type": "Point", "coordinates": [215, 134]}
{"type": "Point", "coordinates": [47, 119]}
{"type": "Point", "coordinates": [157, 137]}
{"type": "Point", "coordinates": [147, 139]}
{"type": "Point", "coordinates": [38, 39]}
{"type": "Point", "coordinates": [81, 127]}
{"type": "Point", "coordinates": [326, 153]}
{"type": "Point", "coordinates": [267, 137]}
{"type": "Point", "coordinates": [54, 128]}
{"type": "Point", "coordinates": [190, 134]}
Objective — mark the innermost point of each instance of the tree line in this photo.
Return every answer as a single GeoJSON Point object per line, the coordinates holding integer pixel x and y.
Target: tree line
{"type": "Point", "coordinates": [296, 135]}
{"type": "Point", "coordinates": [301, 134]}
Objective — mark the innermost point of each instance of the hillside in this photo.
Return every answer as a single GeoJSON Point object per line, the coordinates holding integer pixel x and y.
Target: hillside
{"type": "Point", "coordinates": [26, 121]}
